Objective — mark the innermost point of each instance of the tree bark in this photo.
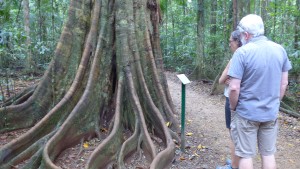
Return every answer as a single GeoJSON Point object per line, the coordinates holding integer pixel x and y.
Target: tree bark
{"type": "Point", "coordinates": [264, 14]}
{"type": "Point", "coordinates": [26, 12]}
{"type": "Point", "coordinates": [213, 42]}
{"type": "Point", "coordinates": [107, 72]}
{"type": "Point", "coordinates": [297, 28]}
{"type": "Point", "coordinates": [198, 72]}
{"type": "Point", "coordinates": [235, 14]}
{"type": "Point", "coordinates": [275, 19]}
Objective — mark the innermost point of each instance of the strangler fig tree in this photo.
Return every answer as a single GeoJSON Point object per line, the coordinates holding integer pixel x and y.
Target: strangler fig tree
{"type": "Point", "coordinates": [107, 73]}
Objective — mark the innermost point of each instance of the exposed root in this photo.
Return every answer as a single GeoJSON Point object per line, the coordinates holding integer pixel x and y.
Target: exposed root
{"type": "Point", "coordinates": [289, 106]}
{"type": "Point", "coordinates": [69, 134]}
{"type": "Point", "coordinates": [37, 106]}
{"type": "Point", "coordinates": [128, 146]}
{"type": "Point", "coordinates": [164, 158]}
{"type": "Point", "coordinates": [107, 150]}
{"type": "Point", "coordinates": [292, 113]}
{"type": "Point", "coordinates": [147, 142]}
{"type": "Point", "coordinates": [32, 152]}
{"type": "Point", "coordinates": [168, 153]}
{"type": "Point", "coordinates": [20, 97]}
{"type": "Point", "coordinates": [174, 135]}
{"type": "Point", "coordinates": [169, 113]}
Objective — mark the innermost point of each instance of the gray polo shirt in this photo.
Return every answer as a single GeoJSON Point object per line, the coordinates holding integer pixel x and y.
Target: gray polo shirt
{"type": "Point", "coordinates": [259, 65]}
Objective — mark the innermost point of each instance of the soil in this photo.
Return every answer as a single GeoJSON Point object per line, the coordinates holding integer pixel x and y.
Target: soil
{"type": "Point", "coordinates": [206, 137]}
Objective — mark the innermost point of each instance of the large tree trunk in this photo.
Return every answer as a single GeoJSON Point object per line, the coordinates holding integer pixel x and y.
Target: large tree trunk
{"type": "Point", "coordinates": [106, 73]}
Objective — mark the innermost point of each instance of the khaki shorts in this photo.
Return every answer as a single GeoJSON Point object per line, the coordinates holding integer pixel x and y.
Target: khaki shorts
{"type": "Point", "coordinates": [247, 135]}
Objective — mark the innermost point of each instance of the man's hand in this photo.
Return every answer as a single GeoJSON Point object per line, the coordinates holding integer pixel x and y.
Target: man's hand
{"type": "Point", "coordinates": [227, 81]}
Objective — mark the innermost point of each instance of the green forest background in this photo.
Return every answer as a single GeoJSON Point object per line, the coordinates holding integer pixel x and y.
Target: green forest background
{"type": "Point", "coordinates": [194, 34]}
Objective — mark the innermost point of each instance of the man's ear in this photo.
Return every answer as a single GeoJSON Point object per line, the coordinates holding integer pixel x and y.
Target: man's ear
{"type": "Point", "coordinates": [248, 35]}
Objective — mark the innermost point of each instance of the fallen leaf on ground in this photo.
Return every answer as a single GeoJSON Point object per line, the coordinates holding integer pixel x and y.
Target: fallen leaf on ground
{"type": "Point", "coordinates": [189, 134]}
{"type": "Point", "coordinates": [86, 145]}
{"type": "Point", "coordinates": [168, 124]}
{"type": "Point", "coordinates": [181, 158]}
{"type": "Point", "coordinates": [201, 147]}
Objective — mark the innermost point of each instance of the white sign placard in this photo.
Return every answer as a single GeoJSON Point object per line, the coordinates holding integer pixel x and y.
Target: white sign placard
{"type": "Point", "coordinates": [183, 79]}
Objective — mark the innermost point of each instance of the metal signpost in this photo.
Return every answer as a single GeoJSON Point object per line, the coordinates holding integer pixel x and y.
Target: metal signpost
{"type": "Point", "coordinates": [184, 80]}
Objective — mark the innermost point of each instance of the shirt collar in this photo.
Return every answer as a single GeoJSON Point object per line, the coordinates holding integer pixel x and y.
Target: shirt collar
{"type": "Point", "coordinates": [257, 38]}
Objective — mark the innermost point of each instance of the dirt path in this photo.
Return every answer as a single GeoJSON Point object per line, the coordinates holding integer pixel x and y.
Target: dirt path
{"type": "Point", "coordinates": [209, 144]}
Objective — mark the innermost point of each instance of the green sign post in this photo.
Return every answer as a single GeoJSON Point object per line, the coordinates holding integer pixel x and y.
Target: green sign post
{"type": "Point", "coordinates": [184, 80]}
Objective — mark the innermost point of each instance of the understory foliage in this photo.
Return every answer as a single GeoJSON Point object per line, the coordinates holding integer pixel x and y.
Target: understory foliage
{"type": "Point", "coordinates": [106, 75]}
{"type": "Point", "coordinates": [179, 31]}
{"type": "Point", "coordinates": [46, 20]}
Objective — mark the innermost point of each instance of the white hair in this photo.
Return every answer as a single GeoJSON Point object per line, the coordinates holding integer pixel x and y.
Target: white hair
{"type": "Point", "coordinates": [252, 24]}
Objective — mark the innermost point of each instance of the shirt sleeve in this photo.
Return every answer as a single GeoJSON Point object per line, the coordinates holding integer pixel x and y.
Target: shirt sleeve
{"type": "Point", "coordinates": [236, 69]}
{"type": "Point", "coordinates": [286, 65]}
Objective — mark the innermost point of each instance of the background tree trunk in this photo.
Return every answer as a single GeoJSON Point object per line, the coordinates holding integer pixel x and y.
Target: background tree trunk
{"type": "Point", "coordinates": [297, 28]}
{"type": "Point", "coordinates": [198, 72]}
{"type": "Point", "coordinates": [26, 12]}
{"type": "Point", "coordinates": [213, 27]}
{"type": "Point", "coordinates": [274, 19]}
{"type": "Point", "coordinates": [107, 74]}
{"type": "Point", "coordinates": [235, 14]}
{"type": "Point", "coordinates": [264, 15]}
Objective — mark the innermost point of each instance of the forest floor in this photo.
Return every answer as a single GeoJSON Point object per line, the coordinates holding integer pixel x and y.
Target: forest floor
{"type": "Point", "coordinates": [207, 139]}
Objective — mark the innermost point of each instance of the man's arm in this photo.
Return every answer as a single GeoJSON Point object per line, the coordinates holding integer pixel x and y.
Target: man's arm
{"type": "Point", "coordinates": [284, 83]}
{"type": "Point", "coordinates": [234, 92]}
